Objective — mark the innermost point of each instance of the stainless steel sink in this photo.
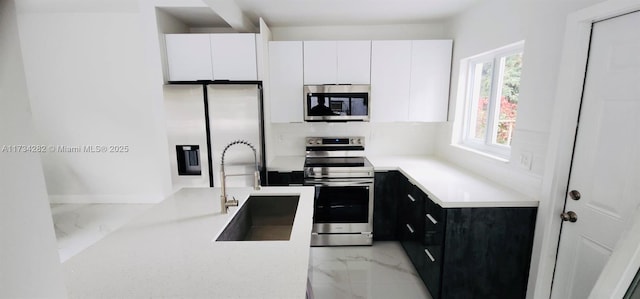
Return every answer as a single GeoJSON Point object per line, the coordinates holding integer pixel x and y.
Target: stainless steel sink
{"type": "Point", "coordinates": [262, 218]}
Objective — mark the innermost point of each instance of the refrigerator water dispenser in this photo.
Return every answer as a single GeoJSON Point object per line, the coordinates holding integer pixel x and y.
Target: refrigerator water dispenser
{"type": "Point", "coordinates": [188, 159]}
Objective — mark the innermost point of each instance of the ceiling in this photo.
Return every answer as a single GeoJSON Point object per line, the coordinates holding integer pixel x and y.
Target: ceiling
{"type": "Point", "coordinates": [277, 12]}
{"type": "Point", "coordinates": [350, 12]}
{"type": "Point", "coordinates": [76, 6]}
{"type": "Point", "coordinates": [196, 16]}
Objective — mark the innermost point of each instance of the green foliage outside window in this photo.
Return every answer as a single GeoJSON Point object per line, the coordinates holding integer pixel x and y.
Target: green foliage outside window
{"type": "Point", "coordinates": [508, 104]}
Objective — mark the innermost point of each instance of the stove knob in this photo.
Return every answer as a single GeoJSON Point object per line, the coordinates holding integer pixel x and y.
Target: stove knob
{"type": "Point", "coordinates": [310, 141]}
{"type": "Point", "coordinates": [352, 141]}
{"type": "Point", "coordinates": [318, 141]}
{"type": "Point", "coordinates": [359, 141]}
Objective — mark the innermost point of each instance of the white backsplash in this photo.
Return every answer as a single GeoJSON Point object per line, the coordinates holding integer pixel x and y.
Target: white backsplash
{"type": "Point", "coordinates": [380, 138]}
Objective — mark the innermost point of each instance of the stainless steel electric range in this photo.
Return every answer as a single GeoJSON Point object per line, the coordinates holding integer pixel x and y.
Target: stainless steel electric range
{"type": "Point", "coordinates": [343, 180]}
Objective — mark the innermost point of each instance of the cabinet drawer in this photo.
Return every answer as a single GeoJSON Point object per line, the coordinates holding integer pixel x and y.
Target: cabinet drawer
{"type": "Point", "coordinates": [433, 219]}
{"type": "Point", "coordinates": [433, 231]}
{"type": "Point", "coordinates": [432, 247]}
{"type": "Point", "coordinates": [413, 203]}
{"type": "Point", "coordinates": [409, 231]}
{"type": "Point", "coordinates": [434, 210]}
{"type": "Point", "coordinates": [430, 269]}
{"type": "Point", "coordinates": [416, 193]}
{"type": "Point", "coordinates": [410, 238]}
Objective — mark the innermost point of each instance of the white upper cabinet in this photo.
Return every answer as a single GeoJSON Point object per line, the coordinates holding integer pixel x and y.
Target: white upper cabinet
{"type": "Point", "coordinates": [189, 57]}
{"type": "Point", "coordinates": [354, 62]}
{"type": "Point", "coordinates": [224, 56]}
{"type": "Point", "coordinates": [285, 81]}
{"type": "Point", "coordinates": [320, 62]}
{"type": "Point", "coordinates": [410, 80]}
{"type": "Point", "coordinates": [430, 73]}
{"type": "Point", "coordinates": [390, 80]}
{"type": "Point", "coordinates": [337, 62]}
{"type": "Point", "coordinates": [234, 56]}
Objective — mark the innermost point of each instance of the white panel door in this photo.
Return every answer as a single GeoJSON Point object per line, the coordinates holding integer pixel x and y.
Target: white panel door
{"type": "Point", "coordinates": [285, 81]}
{"type": "Point", "coordinates": [354, 62]}
{"type": "Point", "coordinates": [430, 73]}
{"type": "Point", "coordinates": [234, 56]}
{"type": "Point", "coordinates": [606, 162]}
{"type": "Point", "coordinates": [390, 76]}
{"type": "Point", "coordinates": [189, 57]}
{"type": "Point", "coordinates": [320, 62]}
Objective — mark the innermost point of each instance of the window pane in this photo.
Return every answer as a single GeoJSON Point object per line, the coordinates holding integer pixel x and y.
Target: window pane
{"type": "Point", "coordinates": [482, 75]}
{"type": "Point", "coordinates": [508, 98]}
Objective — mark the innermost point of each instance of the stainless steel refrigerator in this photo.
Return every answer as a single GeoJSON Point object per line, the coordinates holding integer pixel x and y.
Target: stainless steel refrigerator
{"type": "Point", "coordinates": [234, 112]}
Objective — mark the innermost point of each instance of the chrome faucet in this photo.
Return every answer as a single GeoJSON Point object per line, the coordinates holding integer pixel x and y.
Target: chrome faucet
{"type": "Point", "coordinates": [225, 203]}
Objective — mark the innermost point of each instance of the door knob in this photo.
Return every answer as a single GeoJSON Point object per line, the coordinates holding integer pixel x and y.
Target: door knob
{"type": "Point", "coordinates": [570, 216]}
{"type": "Point", "coordinates": [575, 194]}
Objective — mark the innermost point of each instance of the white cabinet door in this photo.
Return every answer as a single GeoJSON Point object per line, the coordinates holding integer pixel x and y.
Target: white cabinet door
{"type": "Point", "coordinates": [320, 62]}
{"type": "Point", "coordinates": [354, 62]}
{"type": "Point", "coordinates": [234, 56]}
{"type": "Point", "coordinates": [285, 81]}
{"type": "Point", "coordinates": [189, 57]}
{"type": "Point", "coordinates": [390, 77]}
{"type": "Point", "coordinates": [430, 73]}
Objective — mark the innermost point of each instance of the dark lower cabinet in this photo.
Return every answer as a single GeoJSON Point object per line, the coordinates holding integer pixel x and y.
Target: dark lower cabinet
{"type": "Point", "coordinates": [430, 270]}
{"type": "Point", "coordinates": [486, 252]}
{"type": "Point", "coordinates": [277, 178]}
{"type": "Point", "coordinates": [385, 208]}
{"type": "Point", "coordinates": [410, 227]}
{"type": "Point", "coordinates": [465, 252]}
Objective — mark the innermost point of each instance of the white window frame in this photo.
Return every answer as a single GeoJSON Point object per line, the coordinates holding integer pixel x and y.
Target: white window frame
{"type": "Point", "coordinates": [486, 146]}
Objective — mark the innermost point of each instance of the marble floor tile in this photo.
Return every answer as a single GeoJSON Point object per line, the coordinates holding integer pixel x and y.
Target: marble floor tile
{"type": "Point", "coordinates": [79, 226]}
{"type": "Point", "coordinates": [332, 290]}
{"type": "Point", "coordinates": [389, 290]}
{"type": "Point", "coordinates": [373, 272]}
{"type": "Point", "coordinates": [329, 272]}
{"type": "Point", "coordinates": [379, 271]}
{"type": "Point", "coordinates": [321, 254]}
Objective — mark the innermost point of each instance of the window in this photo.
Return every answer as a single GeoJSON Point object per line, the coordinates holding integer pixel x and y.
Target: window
{"type": "Point", "coordinates": [491, 108]}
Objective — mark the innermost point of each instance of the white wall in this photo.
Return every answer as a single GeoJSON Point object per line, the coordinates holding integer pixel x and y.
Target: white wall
{"type": "Point", "coordinates": [89, 84]}
{"type": "Point", "coordinates": [29, 264]}
{"type": "Point", "coordinates": [496, 23]}
{"type": "Point", "coordinates": [380, 138]}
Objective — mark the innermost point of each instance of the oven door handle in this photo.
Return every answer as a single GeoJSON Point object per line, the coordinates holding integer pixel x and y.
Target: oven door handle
{"type": "Point", "coordinates": [341, 183]}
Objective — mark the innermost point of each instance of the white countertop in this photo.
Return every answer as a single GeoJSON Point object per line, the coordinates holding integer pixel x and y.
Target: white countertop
{"type": "Point", "coordinates": [169, 252]}
{"type": "Point", "coordinates": [446, 184]}
{"type": "Point", "coordinates": [450, 186]}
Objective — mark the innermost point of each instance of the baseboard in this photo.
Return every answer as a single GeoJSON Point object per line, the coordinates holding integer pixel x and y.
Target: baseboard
{"type": "Point", "coordinates": [105, 199]}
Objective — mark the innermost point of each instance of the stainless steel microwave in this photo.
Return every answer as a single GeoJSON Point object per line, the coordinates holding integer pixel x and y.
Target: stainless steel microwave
{"type": "Point", "coordinates": [337, 102]}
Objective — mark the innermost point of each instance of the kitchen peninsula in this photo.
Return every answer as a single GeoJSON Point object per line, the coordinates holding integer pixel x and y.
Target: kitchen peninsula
{"type": "Point", "coordinates": [170, 251]}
